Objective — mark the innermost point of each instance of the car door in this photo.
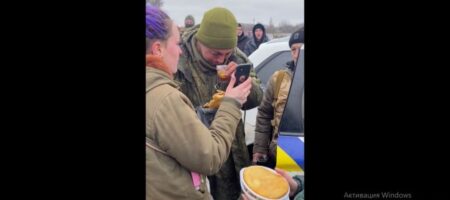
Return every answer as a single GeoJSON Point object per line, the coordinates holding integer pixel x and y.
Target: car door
{"type": "Point", "coordinates": [290, 149]}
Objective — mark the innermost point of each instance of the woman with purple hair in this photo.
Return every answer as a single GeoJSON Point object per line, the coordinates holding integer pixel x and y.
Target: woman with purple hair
{"type": "Point", "coordinates": [181, 151]}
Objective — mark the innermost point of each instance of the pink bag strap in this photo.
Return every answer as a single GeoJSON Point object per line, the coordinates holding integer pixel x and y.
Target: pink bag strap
{"type": "Point", "coordinates": [196, 180]}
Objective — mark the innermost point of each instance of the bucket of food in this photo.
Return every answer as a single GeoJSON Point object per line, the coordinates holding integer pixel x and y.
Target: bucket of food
{"type": "Point", "coordinates": [262, 183]}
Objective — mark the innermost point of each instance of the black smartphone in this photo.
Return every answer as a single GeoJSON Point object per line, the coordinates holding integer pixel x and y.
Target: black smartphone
{"type": "Point", "coordinates": [242, 73]}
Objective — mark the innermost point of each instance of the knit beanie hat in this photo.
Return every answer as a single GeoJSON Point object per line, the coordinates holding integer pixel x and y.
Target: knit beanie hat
{"type": "Point", "coordinates": [218, 29]}
{"type": "Point", "coordinates": [188, 24]}
{"type": "Point", "coordinates": [297, 37]}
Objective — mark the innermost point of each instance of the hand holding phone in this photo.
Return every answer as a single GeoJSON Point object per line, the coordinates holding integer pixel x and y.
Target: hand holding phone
{"type": "Point", "coordinates": [240, 86]}
{"type": "Point", "coordinates": [242, 73]}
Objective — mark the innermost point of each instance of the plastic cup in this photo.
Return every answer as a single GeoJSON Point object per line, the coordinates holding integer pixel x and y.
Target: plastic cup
{"type": "Point", "coordinates": [221, 72]}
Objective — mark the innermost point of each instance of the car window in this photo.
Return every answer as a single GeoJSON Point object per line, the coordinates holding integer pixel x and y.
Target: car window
{"type": "Point", "coordinates": [292, 119]}
{"type": "Point", "coordinates": [272, 64]}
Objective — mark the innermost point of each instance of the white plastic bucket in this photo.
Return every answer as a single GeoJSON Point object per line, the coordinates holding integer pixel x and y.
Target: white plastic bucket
{"type": "Point", "coordinates": [251, 195]}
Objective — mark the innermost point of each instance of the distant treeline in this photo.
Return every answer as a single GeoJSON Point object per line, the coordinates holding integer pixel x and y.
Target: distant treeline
{"type": "Point", "coordinates": [283, 29]}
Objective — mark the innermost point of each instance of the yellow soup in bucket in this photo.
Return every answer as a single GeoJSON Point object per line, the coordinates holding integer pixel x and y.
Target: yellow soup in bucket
{"type": "Point", "coordinates": [265, 182]}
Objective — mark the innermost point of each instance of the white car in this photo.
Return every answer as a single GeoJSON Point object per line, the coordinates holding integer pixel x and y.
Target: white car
{"type": "Point", "coordinates": [268, 58]}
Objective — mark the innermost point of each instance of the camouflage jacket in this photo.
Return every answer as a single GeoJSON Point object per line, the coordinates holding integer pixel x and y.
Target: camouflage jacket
{"type": "Point", "coordinates": [198, 81]}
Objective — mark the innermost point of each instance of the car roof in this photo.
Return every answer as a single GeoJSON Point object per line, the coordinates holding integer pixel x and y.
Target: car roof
{"type": "Point", "coordinates": [283, 39]}
{"type": "Point", "coordinates": [267, 49]}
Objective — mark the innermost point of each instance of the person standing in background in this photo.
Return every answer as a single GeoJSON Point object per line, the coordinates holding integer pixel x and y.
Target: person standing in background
{"type": "Point", "coordinates": [242, 38]}
{"type": "Point", "coordinates": [259, 37]}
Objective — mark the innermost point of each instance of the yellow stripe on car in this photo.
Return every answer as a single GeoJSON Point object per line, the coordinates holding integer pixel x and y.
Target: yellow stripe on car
{"type": "Point", "coordinates": [285, 162]}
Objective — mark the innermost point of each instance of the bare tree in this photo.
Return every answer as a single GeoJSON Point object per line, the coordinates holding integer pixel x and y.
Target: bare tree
{"type": "Point", "coordinates": [286, 27]}
{"type": "Point", "coordinates": [157, 3]}
{"type": "Point", "coordinates": [271, 27]}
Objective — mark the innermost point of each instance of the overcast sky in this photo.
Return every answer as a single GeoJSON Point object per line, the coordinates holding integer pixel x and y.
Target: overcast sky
{"type": "Point", "coordinates": [245, 11]}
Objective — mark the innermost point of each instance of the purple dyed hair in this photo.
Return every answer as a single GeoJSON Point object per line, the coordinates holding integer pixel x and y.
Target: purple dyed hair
{"type": "Point", "coordinates": [157, 23]}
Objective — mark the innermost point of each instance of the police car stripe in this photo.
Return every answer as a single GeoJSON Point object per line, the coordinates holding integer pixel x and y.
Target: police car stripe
{"type": "Point", "coordinates": [285, 162]}
{"type": "Point", "coordinates": [294, 148]}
